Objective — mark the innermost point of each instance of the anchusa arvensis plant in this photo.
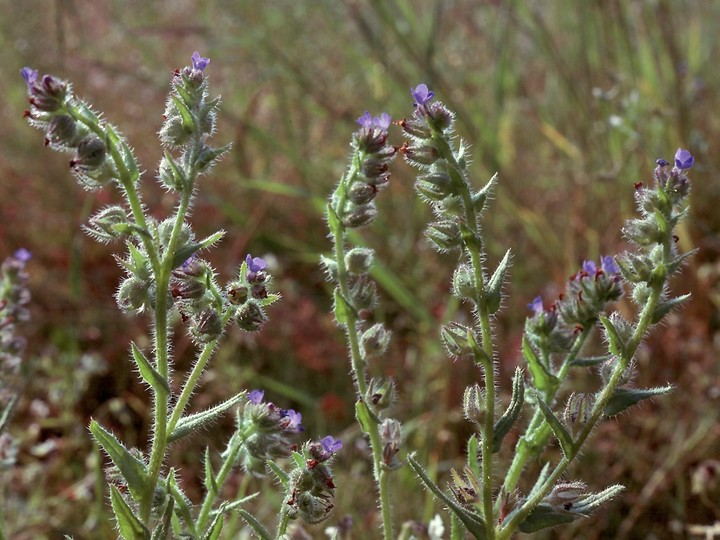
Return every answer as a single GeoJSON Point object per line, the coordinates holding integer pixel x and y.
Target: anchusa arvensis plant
{"type": "Point", "coordinates": [167, 278]}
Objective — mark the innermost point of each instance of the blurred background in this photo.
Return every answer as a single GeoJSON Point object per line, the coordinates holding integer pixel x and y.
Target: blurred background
{"type": "Point", "coordinates": [571, 102]}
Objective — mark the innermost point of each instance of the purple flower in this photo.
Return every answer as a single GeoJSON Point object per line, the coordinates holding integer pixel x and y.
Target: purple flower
{"type": "Point", "coordinates": [661, 162]}
{"type": "Point", "coordinates": [683, 159]}
{"type": "Point", "coordinates": [293, 420]}
{"type": "Point", "coordinates": [330, 445]}
{"type": "Point", "coordinates": [369, 121]}
{"type": "Point", "coordinates": [256, 396]}
{"type": "Point", "coordinates": [589, 267]}
{"type": "Point", "coordinates": [256, 264]}
{"type": "Point", "coordinates": [198, 62]}
{"type": "Point", "coordinates": [536, 306]}
{"type": "Point", "coordinates": [382, 122]}
{"type": "Point", "coordinates": [421, 94]}
{"type": "Point", "coordinates": [30, 75]}
{"type": "Point", "coordinates": [607, 263]}
{"type": "Point", "coordinates": [23, 255]}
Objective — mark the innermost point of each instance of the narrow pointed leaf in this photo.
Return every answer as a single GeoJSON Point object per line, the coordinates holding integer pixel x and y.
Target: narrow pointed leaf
{"type": "Point", "coordinates": [566, 442]}
{"type": "Point", "coordinates": [511, 414]}
{"type": "Point", "coordinates": [473, 522]}
{"type": "Point", "coordinates": [493, 292]}
{"type": "Point", "coordinates": [184, 506]}
{"type": "Point", "coordinates": [593, 501]}
{"type": "Point", "coordinates": [139, 260]}
{"type": "Point", "coordinates": [210, 481]}
{"type": "Point", "coordinates": [228, 507]}
{"type": "Point", "coordinates": [190, 423]}
{"type": "Point", "coordinates": [342, 308]}
{"type": "Point", "coordinates": [299, 459]}
{"type": "Point", "coordinates": [132, 469]}
{"type": "Point", "coordinates": [666, 307]}
{"type": "Point", "coordinates": [473, 451]}
{"type": "Point", "coordinates": [255, 525]}
{"type": "Point", "coordinates": [590, 361]}
{"type": "Point", "coordinates": [215, 528]}
{"type": "Point", "coordinates": [623, 398]}
{"type": "Point", "coordinates": [544, 473]}
{"type": "Point", "coordinates": [281, 475]}
{"type": "Point", "coordinates": [333, 220]}
{"type": "Point", "coordinates": [543, 380]}
{"type": "Point", "coordinates": [131, 528]}
{"type": "Point", "coordinates": [187, 117]}
{"type": "Point", "coordinates": [615, 343]}
{"type": "Point", "coordinates": [148, 373]}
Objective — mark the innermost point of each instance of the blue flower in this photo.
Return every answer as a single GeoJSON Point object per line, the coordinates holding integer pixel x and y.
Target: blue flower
{"type": "Point", "coordinates": [30, 75]}
{"type": "Point", "coordinates": [369, 121]}
{"type": "Point", "coordinates": [198, 62]}
{"type": "Point", "coordinates": [607, 263]}
{"type": "Point", "coordinates": [293, 420]}
{"type": "Point", "coordinates": [256, 396]}
{"type": "Point", "coordinates": [330, 445]}
{"type": "Point", "coordinates": [23, 255]}
{"type": "Point", "coordinates": [536, 306]}
{"type": "Point", "coordinates": [421, 94]}
{"type": "Point", "coordinates": [366, 120]}
{"type": "Point", "coordinates": [256, 264]}
{"type": "Point", "coordinates": [589, 267]}
{"type": "Point", "coordinates": [683, 159]}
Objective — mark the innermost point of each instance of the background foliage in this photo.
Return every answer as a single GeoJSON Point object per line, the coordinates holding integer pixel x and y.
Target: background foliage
{"type": "Point", "coordinates": [570, 101]}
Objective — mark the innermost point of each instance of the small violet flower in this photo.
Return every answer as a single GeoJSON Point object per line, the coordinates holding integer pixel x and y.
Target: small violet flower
{"type": "Point", "coordinates": [381, 122]}
{"type": "Point", "coordinates": [293, 420]}
{"type": "Point", "coordinates": [683, 159]}
{"type": "Point", "coordinates": [589, 267]}
{"type": "Point", "coordinates": [23, 255]}
{"type": "Point", "coordinates": [198, 62]}
{"type": "Point", "coordinates": [536, 306]}
{"type": "Point", "coordinates": [607, 263]}
{"type": "Point", "coordinates": [256, 264]}
{"type": "Point", "coordinates": [256, 396]}
{"type": "Point", "coordinates": [421, 94]}
{"type": "Point", "coordinates": [30, 75]}
{"type": "Point", "coordinates": [330, 445]}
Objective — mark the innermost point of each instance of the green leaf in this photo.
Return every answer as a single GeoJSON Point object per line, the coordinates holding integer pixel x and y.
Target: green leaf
{"type": "Point", "coordinates": [139, 261]}
{"type": "Point", "coordinates": [299, 460]}
{"type": "Point", "coordinates": [334, 222]}
{"type": "Point", "coordinates": [544, 516]}
{"type": "Point", "coordinates": [591, 502]}
{"type": "Point", "coordinates": [131, 528]}
{"type": "Point", "coordinates": [511, 414]}
{"type": "Point", "coordinates": [255, 525]}
{"type": "Point", "coordinates": [543, 380]}
{"type": "Point", "coordinates": [281, 475]}
{"type": "Point", "coordinates": [493, 291]}
{"type": "Point", "coordinates": [615, 342]}
{"type": "Point", "coordinates": [184, 506]}
{"type": "Point", "coordinates": [270, 299]}
{"type": "Point", "coordinates": [473, 451]}
{"type": "Point", "coordinates": [365, 416]}
{"type": "Point", "coordinates": [473, 522]}
{"type": "Point", "coordinates": [342, 308]}
{"type": "Point", "coordinates": [216, 525]}
{"type": "Point", "coordinates": [566, 442]}
{"type": "Point", "coordinates": [148, 373]}
{"type": "Point", "coordinates": [209, 480]}
{"type": "Point", "coordinates": [132, 469]}
{"type": "Point", "coordinates": [228, 507]}
{"type": "Point", "coordinates": [188, 119]}
{"type": "Point", "coordinates": [190, 423]}
{"type": "Point", "coordinates": [623, 398]}
{"type": "Point", "coordinates": [666, 307]}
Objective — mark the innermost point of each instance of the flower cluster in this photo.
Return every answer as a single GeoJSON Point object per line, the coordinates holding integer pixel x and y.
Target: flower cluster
{"type": "Point", "coordinates": [265, 432]}
{"type": "Point", "coordinates": [368, 174]}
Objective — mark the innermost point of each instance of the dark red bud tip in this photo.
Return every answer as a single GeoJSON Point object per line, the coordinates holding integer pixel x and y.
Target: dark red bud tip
{"type": "Point", "coordinates": [675, 238]}
{"type": "Point", "coordinates": [400, 123]}
{"type": "Point", "coordinates": [638, 185]}
{"type": "Point", "coordinates": [402, 149]}
{"type": "Point", "coordinates": [73, 162]}
{"type": "Point", "coordinates": [578, 329]}
{"type": "Point", "coordinates": [47, 141]}
{"type": "Point", "coordinates": [27, 114]}
{"type": "Point", "coordinates": [329, 483]}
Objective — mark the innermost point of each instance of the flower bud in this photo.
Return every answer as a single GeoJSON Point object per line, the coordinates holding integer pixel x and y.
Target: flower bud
{"type": "Point", "coordinates": [444, 235]}
{"type": "Point", "coordinates": [206, 326]}
{"type": "Point", "coordinates": [564, 494]}
{"type": "Point", "coordinates": [375, 340]}
{"type": "Point", "coordinates": [109, 223]}
{"type": "Point", "coordinates": [62, 132]}
{"type": "Point", "coordinates": [362, 193]}
{"type": "Point", "coordinates": [455, 338]}
{"type": "Point", "coordinates": [358, 260]}
{"type": "Point", "coordinates": [363, 294]}
{"type": "Point", "coordinates": [250, 317]}
{"type": "Point", "coordinates": [49, 94]}
{"type": "Point", "coordinates": [474, 403]}
{"type": "Point", "coordinates": [416, 127]}
{"type": "Point", "coordinates": [132, 294]}
{"type": "Point", "coordinates": [381, 394]}
{"type": "Point", "coordinates": [360, 216]}
{"type": "Point", "coordinates": [440, 116]}
{"type": "Point", "coordinates": [171, 176]}
{"type": "Point", "coordinates": [464, 282]}
{"type": "Point", "coordinates": [578, 411]}
{"type": "Point", "coordinates": [391, 437]}
{"type": "Point", "coordinates": [466, 490]}
{"type": "Point", "coordinates": [90, 154]}
{"type": "Point", "coordinates": [421, 154]}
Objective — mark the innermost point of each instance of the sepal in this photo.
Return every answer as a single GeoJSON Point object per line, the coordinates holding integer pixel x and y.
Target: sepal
{"type": "Point", "coordinates": [131, 528]}
{"type": "Point", "coordinates": [511, 414]}
{"type": "Point", "coordinates": [624, 398]}
{"type": "Point", "coordinates": [493, 290]}
{"type": "Point", "coordinates": [193, 422]}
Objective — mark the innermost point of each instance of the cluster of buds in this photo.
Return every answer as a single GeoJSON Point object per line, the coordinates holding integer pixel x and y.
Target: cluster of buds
{"type": "Point", "coordinates": [354, 202]}
{"type": "Point", "coordinates": [14, 297]}
{"type": "Point", "coordinates": [265, 432]}
{"type": "Point", "coordinates": [249, 294]}
{"type": "Point", "coordinates": [188, 121]}
{"type": "Point", "coordinates": [311, 489]}
{"type": "Point", "coordinates": [67, 123]}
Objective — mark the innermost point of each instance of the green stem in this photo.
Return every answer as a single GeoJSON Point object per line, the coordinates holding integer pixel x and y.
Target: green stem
{"type": "Point", "coordinates": [538, 430]}
{"type": "Point", "coordinates": [211, 496]}
{"type": "Point", "coordinates": [517, 517]}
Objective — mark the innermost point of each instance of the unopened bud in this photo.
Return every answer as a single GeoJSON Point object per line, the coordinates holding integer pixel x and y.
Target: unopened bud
{"type": "Point", "coordinates": [360, 216]}
{"type": "Point", "coordinates": [62, 131]}
{"type": "Point", "coordinates": [358, 260]}
{"type": "Point", "coordinates": [90, 154]}
{"type": "Point", "coordinates": [474, 403]}
{"type": "Point", "coordinates": [564, 494]}
{"type": "Point", "coordinates": [207, 326]}
{"type": "Point", "coordinates": [132, 294]}
{"type": "Point", "coordinates": [578, 411]}
{"type": "Point", "coordinates": [421, 154]}
{"type": "Point", "coordinates": [250, 317]}
{"type": "Point", "coordinates": [362, 193]}
{"type": "Point", "coordinates": [375, 340]}
{"type": "Point", "coordinates": [464, 282]}
{"type": "Point", "coordinates": [455, 338]}
{"type": "Point", "coordinates": [391, 437]}
{"type": "Point", "coordinates": [445, 235]}
{"type": "Point", "coordinates": [381, 393]}
{"type": "Point", "coordinates": [108, 223]}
